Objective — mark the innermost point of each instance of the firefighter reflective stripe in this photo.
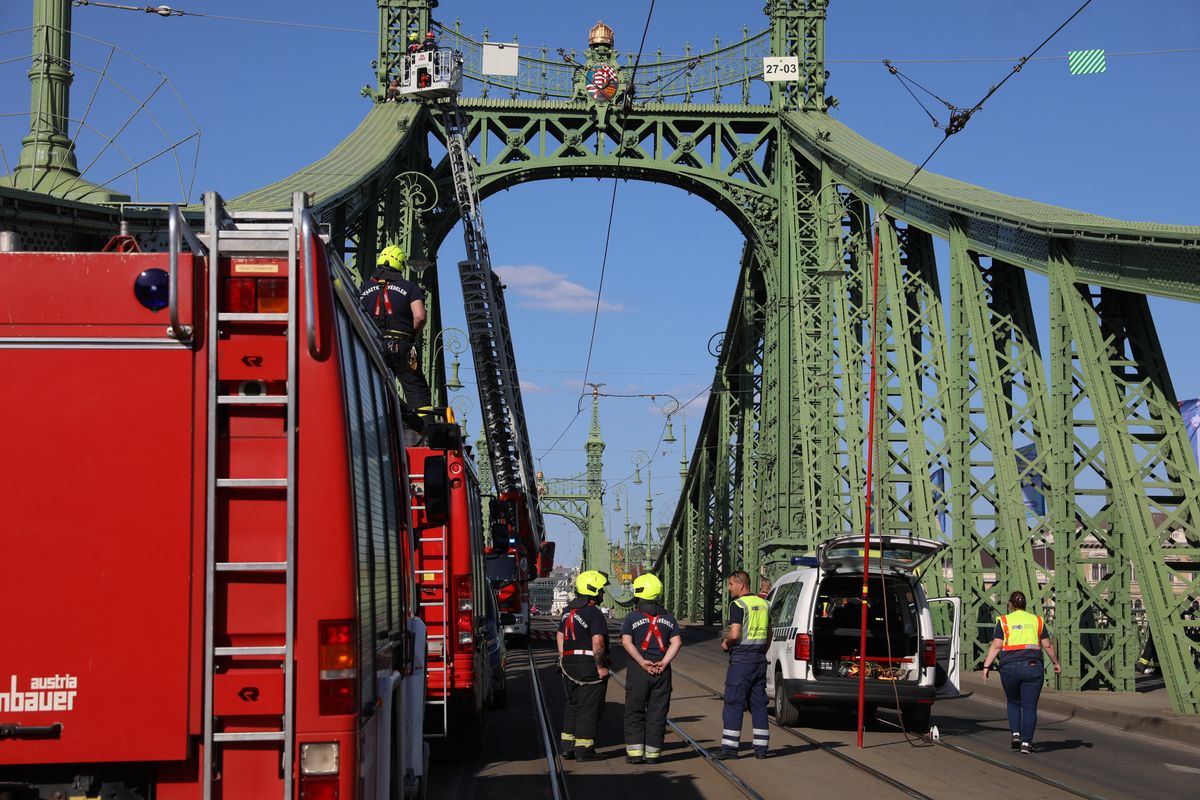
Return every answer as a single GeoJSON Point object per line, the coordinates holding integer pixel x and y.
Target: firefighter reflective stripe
{"type": "Point", "coordinates": [653, 631]}
{"type": "Point", "coordinates": [567, 737]}
{"type": "Point", "coordinates": [1022, 630]}
{"type": "Point", "coordinates": [754, 629]}
{"type": "Point", "coordinates": [761, 737]}
{"type": "Point", "coordinates": [634, 751]}
{"type": "Point", "coordinates": [652, 753]}
{"type": "Point", "coordinates": [729, 739]}
{"type": "Point", "coordinates": [584, 742]}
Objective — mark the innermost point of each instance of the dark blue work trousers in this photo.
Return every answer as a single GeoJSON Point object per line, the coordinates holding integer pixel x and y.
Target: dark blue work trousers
{"type": "Point", "coordinates": [1022, 681]}
{"type": "Point", "coordinates": [745, 683]}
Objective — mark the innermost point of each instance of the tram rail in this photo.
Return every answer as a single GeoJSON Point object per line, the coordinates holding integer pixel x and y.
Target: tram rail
{"type": "Point", "coordinates": [746, 789]}
{"type": "Point", "coordinates": [554, 767]}
{"type": "Point", "coordinates": [899, 785]}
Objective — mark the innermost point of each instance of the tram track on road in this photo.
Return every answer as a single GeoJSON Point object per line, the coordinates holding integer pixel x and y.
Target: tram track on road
{"type": "Point", "coordinates": [725, 772]}
{"type": "Point", "coordinates": [554, 767]}
{"type": "Point", "coordinates": [849, 760]}
{"type": "Point", "coordinates": [899, 785]}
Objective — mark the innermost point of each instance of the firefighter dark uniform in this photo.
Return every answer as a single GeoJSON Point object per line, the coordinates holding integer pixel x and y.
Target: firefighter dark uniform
{"type": "Point", "coordinates": [746, 678]}
{"type": "Point", "coordinates": [387, 297]}
{"type": "Point", "coordinates": [647, 635]}
{"type": "Point", "coordinates": [580, 663]}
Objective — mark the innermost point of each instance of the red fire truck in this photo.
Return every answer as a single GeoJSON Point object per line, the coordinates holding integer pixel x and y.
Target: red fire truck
{"type": "Point", "coordinates": [513, 561]}
{"type": "Point", "coordinates": [452, 588]}
{"type": "Point", "coordinates": [205, 520]}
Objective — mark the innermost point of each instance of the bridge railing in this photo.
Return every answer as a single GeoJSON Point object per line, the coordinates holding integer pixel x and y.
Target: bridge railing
{"type": "Point", "coordinates": [702, 77]}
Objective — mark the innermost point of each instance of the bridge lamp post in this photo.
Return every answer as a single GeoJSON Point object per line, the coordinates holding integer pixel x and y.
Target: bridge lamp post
{"type": "Point", "coordinates": [450, 340]}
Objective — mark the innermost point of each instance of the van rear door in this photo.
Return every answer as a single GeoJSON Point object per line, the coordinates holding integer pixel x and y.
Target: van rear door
{"type": "Point", "coordinates": [947, 627]}
{"type": "Point", "coordinates": [897, 555]}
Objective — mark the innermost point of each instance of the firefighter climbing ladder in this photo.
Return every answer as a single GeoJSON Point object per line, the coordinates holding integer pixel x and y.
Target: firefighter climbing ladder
{"type": "Point", "coordinates": [488, 331]}
{"type": "Point", "coordinates": [264, 237]}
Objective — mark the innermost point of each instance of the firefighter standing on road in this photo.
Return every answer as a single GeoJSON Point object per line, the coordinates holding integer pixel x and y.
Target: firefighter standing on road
{"type": "Point", "coordinates": [746, 679]}
{"type": "Point", "coordinates": [650, 635]}
{"type": "Point", "coordinates": [583, 659]}
{"type": "Point", "coordinates": [397, 306]}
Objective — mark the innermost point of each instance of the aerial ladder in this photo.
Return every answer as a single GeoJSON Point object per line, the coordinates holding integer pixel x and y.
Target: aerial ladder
{"type": "Point", "coordinates": [488, 332]}
{"type": "Point", "coordinates": [436, 76]}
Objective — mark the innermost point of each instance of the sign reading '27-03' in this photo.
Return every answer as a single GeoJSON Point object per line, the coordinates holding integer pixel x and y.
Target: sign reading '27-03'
{"type": "Point", "coordinates": [781, 68]}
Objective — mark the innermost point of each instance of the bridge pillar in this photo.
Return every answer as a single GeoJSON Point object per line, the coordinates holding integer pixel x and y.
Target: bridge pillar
{"type": "Point", "coordinates": [798, 29]}
{"type": "Point", "coordinates": [397, 18]}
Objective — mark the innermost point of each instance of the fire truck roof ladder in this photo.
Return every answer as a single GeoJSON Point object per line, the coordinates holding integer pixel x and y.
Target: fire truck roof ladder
{"type": "Point", "coordinates": [435, 594]}
{"type": "Point", "coordinates": [487, 329]}
{"type": "Point", "coordinates": [228, 235]}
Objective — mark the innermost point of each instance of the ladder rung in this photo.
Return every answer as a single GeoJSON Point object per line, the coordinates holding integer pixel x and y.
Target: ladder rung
{"type": "Point", "coordinates": [229, 316]}
{"type": "Point", "coordinates": [252, 483]}
{"type": "Point", "coordinates": [249, 651]}
{"type": "Point", "coordinates": [249, 736]}
{"type": "Point", "coordinates": [251, 399]}
{"type": "Point", "coordinates": [251, 566]}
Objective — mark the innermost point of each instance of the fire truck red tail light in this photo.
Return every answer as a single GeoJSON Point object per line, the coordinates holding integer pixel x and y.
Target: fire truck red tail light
{"type": "Point", "coordinates": [241, 296]}
{"type": "Point", "coordinates": [319, 788]}
{"type": "Point", "coordinates": [930, 651]}
{"type": "Point", "coordinates": [336, 661]}
{"type": "Point", "coordinates": [803, 650]}
{"type": "Point", "coordinates": [465, 618]}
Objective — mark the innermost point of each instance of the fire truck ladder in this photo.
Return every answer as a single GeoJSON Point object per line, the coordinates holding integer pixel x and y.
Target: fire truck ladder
{"type": "Point", "coordinates": [487, 329]}
{"type": "Point", "coordinates": [433, 588]}
{"type": "Point", "coordinates": [230, 547]}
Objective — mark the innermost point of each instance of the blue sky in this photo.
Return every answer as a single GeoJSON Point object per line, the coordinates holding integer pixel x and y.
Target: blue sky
{"type": "Point", "coordinates": [268, 99]}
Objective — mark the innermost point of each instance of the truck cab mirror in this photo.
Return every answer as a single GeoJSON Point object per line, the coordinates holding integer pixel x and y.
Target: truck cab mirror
{"type": "Point", "coordinates": [546, 559]}
{"type": "Point", "coordinates": [499, 537]}
{"type": "Point", "coordinates": [437, 491]}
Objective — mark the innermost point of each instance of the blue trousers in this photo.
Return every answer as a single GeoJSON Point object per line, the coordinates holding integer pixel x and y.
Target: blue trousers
{"type": "Point", "coordinates": [745, 682]}
{"type": "Point", "coordinates": [1022, 681]}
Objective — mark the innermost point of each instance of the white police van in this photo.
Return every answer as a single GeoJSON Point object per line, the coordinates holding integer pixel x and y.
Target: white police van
{"type": "Point", "coordinates": [815, 617]}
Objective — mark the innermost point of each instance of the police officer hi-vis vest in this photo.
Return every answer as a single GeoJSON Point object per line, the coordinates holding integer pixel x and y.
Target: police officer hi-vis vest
{"type": "Point", "coordinates": [755, 631]}
{"type": "Point", "coordinates": [1022, 631]}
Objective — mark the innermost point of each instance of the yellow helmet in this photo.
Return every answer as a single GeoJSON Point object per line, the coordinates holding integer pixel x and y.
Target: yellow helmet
{"type": "Point", "coordinates": [647, 586]}
{"type": "Point", "coordinates": [591, 583]}
{"type": "Point", "coordinates": [414, 37]}
{"type": "Point", "coordinates": [391, 256]}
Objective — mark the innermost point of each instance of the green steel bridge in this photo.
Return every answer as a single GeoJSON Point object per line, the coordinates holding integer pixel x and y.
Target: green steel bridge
{"type": "Point", "coordinates": [967, 390]}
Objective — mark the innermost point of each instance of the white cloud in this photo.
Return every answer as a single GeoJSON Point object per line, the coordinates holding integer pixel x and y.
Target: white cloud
{"type": "Point", "coordinates": [529, 387]}
{"type": "Point", "coordinates": [539, 287]}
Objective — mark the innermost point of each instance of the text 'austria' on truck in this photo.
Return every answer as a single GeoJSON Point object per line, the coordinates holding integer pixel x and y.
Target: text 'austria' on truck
{"type": "Point", "coordinates": [513, 560]}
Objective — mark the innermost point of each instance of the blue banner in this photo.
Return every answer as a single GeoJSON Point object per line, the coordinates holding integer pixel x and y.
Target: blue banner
{"type": "Point", "coordinates": [1032, 483]}
{"type": "Point", "coordinates": [1190, 409]}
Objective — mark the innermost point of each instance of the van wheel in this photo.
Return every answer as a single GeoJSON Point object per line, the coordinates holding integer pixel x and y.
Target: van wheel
{"type": "Point", "coordinates": [786, 714]}
{"type": "Point", "coordinates": [916, 719]}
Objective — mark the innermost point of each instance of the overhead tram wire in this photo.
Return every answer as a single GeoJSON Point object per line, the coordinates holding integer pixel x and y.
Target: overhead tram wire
{"type": "Point", "coordinates": [612, 206]}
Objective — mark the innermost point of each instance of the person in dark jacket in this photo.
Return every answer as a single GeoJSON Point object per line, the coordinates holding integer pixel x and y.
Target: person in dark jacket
{"type": "Point", "coordinates": [583, 659]}
{"type": "Point", "coordinates": [650, 635]}
{"type": "Point", "coordinates": [397, 305]}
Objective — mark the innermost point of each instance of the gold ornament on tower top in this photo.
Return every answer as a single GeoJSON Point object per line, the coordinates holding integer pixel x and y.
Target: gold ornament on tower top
{"type": "Point", "coordinates": [600, 34]}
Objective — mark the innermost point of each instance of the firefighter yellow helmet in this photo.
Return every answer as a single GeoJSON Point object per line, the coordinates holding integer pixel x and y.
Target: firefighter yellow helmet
{"type": "Point", "coordinates": [590, 583]}
{"type": "Point", "coordinates": [414, 37]}
{"type": "Point", "coordinates": [391, 256]}
{"type": "Point", "coordinates": [647, 587]}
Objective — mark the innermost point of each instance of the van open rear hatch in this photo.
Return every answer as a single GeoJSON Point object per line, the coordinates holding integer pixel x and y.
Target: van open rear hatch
{"type": "Point", "coordinates": [895, 555]}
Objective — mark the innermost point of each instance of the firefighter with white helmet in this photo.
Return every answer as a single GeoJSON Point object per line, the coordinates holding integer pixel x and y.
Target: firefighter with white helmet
{"type": "Point", "coordinates": [583, 659]}
{"type": "Point", "coordinates": [397, 305]}
{"type": "Point", "coordinates": [650, 635]}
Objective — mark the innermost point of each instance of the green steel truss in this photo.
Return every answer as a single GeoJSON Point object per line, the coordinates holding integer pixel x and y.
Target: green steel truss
{"type": "Point", "coordinates": [971, 411]}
